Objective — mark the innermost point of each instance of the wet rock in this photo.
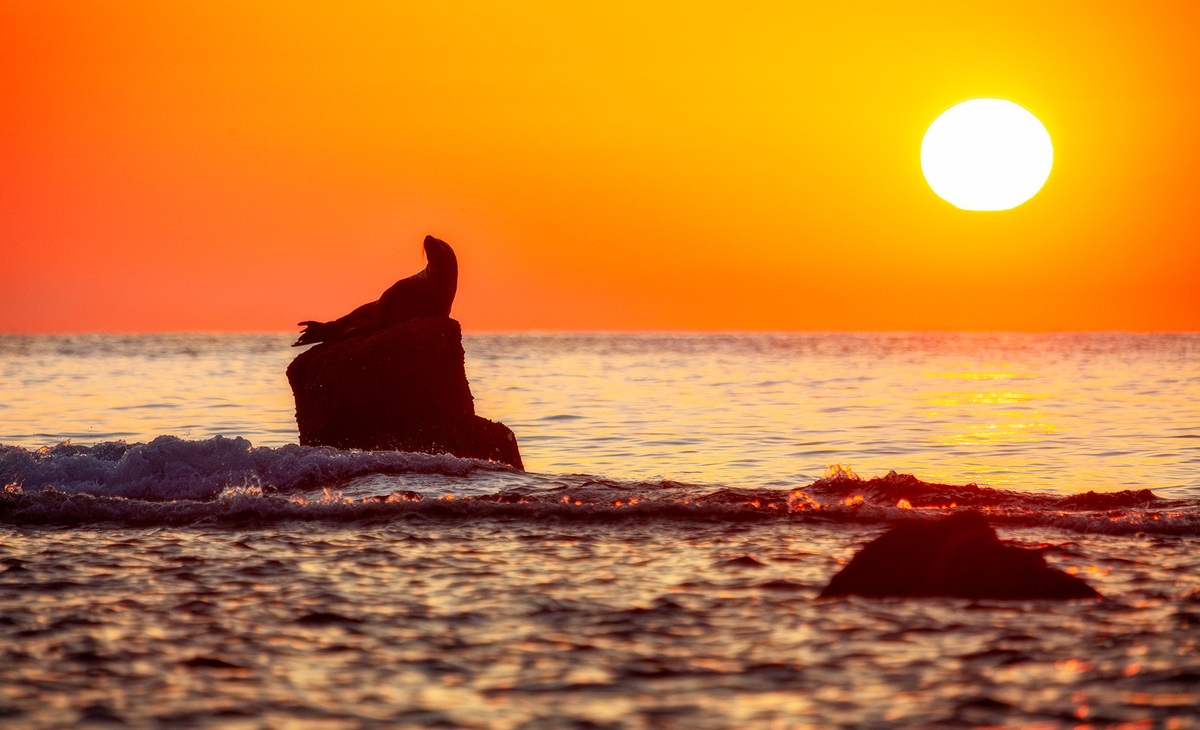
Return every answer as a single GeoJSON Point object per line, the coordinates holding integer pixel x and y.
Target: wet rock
{"type": "Point", "coordinates": [404, 388]}
{"type": "Point", "coordinates": [959, 556]}
{"type": "Point", "coordinates": [1109, 500]}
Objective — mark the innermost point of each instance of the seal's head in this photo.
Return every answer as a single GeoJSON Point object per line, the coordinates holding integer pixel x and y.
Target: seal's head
{"type": "Point", "coordinates": [442, 273]}
{"type": "Point", "coordinates": [439, 254]}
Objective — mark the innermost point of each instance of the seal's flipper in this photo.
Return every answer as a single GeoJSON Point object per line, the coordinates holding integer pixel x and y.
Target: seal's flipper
{"type": "Point", "coordinates": [313, 332]}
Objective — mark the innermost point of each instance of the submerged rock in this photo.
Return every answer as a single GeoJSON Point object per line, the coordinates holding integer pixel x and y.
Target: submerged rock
{"type": "Point", "coordinates": [959, 556]}
{"type": "Point", "coordinates": [404, 388]}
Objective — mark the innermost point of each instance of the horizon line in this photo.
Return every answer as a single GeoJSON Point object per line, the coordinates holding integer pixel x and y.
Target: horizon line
{"type": "Point", "coordinates": [601, 331]}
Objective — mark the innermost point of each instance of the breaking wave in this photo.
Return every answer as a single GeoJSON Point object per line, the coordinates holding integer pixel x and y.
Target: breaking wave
{"type": "Point", "coordinates": [227, 481]}
{"type": "Point", "coordinates": [170, 468]}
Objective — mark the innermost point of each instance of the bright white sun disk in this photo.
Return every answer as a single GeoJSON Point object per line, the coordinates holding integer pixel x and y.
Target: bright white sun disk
{"type": "Point", "coordinates": [986, 154]}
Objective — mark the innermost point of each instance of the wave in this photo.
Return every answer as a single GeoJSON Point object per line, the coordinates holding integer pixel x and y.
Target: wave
{"type": "Point", "coordinates": [170, 468]}
{"type": "Point", "coordinates": [224, 481]}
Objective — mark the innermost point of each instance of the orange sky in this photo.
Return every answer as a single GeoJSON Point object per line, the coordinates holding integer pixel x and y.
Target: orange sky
{"type": "Point", "coordinates": [243, 166]}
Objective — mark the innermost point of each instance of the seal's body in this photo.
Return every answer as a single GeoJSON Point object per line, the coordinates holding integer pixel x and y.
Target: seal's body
{"type": "Point", "coordinates": [428, 293]}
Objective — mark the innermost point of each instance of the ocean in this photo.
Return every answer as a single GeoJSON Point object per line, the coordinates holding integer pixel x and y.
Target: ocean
{"type": "Point", "coordinates": [171, 557]}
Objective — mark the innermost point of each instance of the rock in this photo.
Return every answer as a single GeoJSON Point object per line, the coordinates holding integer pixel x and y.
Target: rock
{"type": "Point", "coordinates": [404, 388]}
{"type": "Point", "coordinates": [959, 556]}
{"type": "Point", "coordinates": [1109, 500]}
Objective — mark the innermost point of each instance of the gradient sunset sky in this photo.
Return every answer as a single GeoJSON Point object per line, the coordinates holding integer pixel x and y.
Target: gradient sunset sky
{"type": "Point", "coordinates": [597, 166]}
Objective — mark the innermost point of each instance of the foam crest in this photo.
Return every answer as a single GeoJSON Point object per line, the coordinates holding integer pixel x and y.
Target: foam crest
{"type": "Point", "coordinates": [170, 468]}
{"type": "Point", "coordinates": [838, 500]}
{"type": "Point", "coordinates": [170, 481]}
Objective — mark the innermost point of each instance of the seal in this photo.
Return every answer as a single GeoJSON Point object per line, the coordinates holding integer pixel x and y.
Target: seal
{"type": "Point", "coordinates": [428, 293]}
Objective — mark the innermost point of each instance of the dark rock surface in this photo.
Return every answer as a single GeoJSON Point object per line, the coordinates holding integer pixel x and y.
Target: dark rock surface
{"type": "Point", "coordinates": [958, 556]}
{"type": "Point", "coordinates": [404, 387]}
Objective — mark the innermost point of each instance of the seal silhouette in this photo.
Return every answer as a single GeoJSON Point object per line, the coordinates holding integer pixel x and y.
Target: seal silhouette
{"type": "Point", "coordinates": [428, 293]}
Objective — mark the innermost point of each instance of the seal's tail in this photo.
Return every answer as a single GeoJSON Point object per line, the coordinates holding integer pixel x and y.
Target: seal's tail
{"type": "Point", "coordinates": [312, 333]}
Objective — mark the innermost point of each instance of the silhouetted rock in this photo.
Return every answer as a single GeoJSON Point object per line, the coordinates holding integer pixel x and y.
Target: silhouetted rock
{"type": "Point", "coordinates": [959, 556]}
{"type": "Point", "coordinates": [1109, 500]}
{"type": "Point", "coordinates": [404, 387]}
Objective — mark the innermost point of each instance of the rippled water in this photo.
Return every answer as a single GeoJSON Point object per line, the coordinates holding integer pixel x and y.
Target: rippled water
{"type": "Point", "coordinates": [657, 567]}
{"type": "Point", "coordinates": [511, 624]}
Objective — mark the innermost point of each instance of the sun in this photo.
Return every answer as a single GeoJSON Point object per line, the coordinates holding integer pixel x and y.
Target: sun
{"type": "Point", "coordinates": [986, 154]}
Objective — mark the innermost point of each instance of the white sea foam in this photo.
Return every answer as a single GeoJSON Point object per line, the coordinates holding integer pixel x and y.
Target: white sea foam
{"type": "Point", "coordinates": [170, 481]}
{"type": "Point", "coordinates": [170, 468]}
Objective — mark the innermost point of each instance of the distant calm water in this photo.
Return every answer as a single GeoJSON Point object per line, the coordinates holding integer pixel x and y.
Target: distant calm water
{"type": "Point", "coordinates": [1061, 412]}
{"type": "Point", "coordinates": [183, 563]}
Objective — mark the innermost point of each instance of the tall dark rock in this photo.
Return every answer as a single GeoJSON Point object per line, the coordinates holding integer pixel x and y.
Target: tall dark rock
{"type": "Point", "coordinates": [403, 387]}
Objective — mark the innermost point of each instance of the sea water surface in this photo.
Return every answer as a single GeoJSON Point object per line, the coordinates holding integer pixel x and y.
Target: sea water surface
{"type": "Point", "coordinates": [172, 558]}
